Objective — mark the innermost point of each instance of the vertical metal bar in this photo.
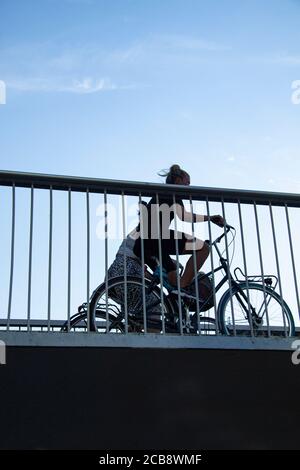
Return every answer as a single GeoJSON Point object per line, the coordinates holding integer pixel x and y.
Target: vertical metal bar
{"type": "Point", "coordinates": [177, 267]}
{"type": "Point", "coordinates": [125, 264]}
{"type": "Point", "coordinates": [195, 267]}
{"type": "Point", "coordinates": [88, 259]}
{"type": "Point", "coordinates": [228, 269]}
{"type": "Point", "coordinates": [245, 268]}
{"type": "Point", "coordinates": [30, 260]}
{"type": "Point", "coordinates": [277, 266]}
{"type": "Point", "coordinates": [12, 253]}
{"type": "Point", "coordinates": [212, 267]}
{"type": "Point", "coordinates": [141, 219]}
{"type": "Point", "coordinates": [69, 255]}
{"type": "Point", "coordinates": [261, 267]}
{"type": "Point", "coordinates": [50, 256]}
{"type": "Point", "coordinates": [292, 257]}
{"type": "Point", "coordinates": [106, 260]}
{"type": "Point", "coordinates": [160, 234]}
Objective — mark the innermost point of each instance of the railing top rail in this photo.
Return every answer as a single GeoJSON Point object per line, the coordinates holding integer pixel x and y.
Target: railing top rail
{"type": "Point", "coordinates": [97, 185]}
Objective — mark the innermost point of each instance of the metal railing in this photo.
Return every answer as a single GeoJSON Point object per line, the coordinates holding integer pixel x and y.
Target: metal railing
{"type": "Point", "coordinates": [257, 294]}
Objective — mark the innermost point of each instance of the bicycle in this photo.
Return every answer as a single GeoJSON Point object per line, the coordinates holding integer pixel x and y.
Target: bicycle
{"type": "Point", "coordinates": [250, 306]}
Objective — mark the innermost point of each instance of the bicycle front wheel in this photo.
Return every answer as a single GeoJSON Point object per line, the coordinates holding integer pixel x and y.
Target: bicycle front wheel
{"type": "Point", "coordinates": [262, 313]}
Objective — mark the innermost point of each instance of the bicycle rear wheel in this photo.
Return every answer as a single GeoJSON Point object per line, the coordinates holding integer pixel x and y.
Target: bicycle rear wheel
{"type": "Point", "coordinates": [79, 323]}
{"type": "Point", "coordinates": [124, 302]}
{"type": "Point", "coordinates": [269, 315]}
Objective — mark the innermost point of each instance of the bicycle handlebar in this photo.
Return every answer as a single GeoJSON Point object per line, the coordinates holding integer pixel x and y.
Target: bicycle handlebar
{"type": "Point", "coordinates": [218, 239]}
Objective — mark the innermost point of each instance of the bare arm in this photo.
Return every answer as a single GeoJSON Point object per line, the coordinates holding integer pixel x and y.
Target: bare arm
{"type": "Point", "coordinates": [186, 216]}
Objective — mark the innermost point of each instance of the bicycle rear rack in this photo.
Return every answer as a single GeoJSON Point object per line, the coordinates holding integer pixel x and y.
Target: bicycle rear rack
{"type": "Point", "coordinates": [267, 279]}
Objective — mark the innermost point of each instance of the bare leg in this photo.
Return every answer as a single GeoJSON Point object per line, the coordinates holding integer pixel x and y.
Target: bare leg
{"type": "Point", "coordinates": [189, 272]}
{"type": "Point", "coordinates": [172, 275]}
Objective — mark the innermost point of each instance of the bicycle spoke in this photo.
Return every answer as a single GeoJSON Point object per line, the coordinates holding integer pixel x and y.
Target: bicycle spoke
{"type": "Point", "coordinates": [277, 324]}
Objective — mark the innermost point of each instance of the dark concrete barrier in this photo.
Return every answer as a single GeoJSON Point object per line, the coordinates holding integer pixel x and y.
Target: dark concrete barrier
{"type": "Point", "coordinates": [108, 398]}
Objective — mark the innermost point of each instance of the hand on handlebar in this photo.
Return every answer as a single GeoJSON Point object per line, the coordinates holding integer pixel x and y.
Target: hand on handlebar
{"type": "Point", "coordinates": [218, 220]}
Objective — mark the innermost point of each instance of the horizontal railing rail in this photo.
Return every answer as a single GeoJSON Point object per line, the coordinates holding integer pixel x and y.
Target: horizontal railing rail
{"type": "Point", "coordinates": [98, 185]}
{"type": "Point", "coordinates": [56, 325]}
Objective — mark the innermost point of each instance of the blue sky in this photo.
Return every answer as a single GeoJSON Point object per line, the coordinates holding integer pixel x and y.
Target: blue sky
{"type": "Point", "coordinates": [124, 88]}
{"type": "Point", "coordinates": [94, 86]}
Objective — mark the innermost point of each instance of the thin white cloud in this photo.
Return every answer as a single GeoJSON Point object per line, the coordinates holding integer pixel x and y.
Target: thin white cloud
{"type": "Point", "coordinates": [80, 2]}
{"type": "Point", "coordinates": [50, 67]}
{"type": "Point", "coordinates": [279, 59]}
{"type": "Point", "coordinates": [76, 2]}
{"type": "Point", "coordinates": [54, 67]}
{"type": "Point", "coordinates": [84, 86]}
{"type": "Point", "coordinates": [287, 60]}
{"type": "Point", "coordinates": [166, 46]}
{"type": "Point", "coordinates": [88, 85]}
{"type": "Point", "coordinates": [189, 43]}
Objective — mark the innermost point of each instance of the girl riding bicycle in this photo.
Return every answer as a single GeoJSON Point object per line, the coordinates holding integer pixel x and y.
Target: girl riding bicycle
{"type": "Point", "coordinates": [156, 219]}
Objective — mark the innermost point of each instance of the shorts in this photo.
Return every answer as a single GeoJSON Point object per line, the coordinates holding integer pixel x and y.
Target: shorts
{"type": "Point", "coordinates": [168, 247]}
{"type": "Point", "coordinates": [134, 292]}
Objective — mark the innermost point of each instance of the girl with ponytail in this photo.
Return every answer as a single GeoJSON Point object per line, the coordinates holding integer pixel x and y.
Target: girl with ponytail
{"type": "Point", "coordinates": [156, 222]}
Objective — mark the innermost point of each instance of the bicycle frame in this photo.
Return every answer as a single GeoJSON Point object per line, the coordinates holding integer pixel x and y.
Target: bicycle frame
{"type": "Point", "coordinates": [252, 315]}
{"type": "Point", "coordinates": [235, 284]}
{"type": "Point", "coordinates": [224, 264]}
